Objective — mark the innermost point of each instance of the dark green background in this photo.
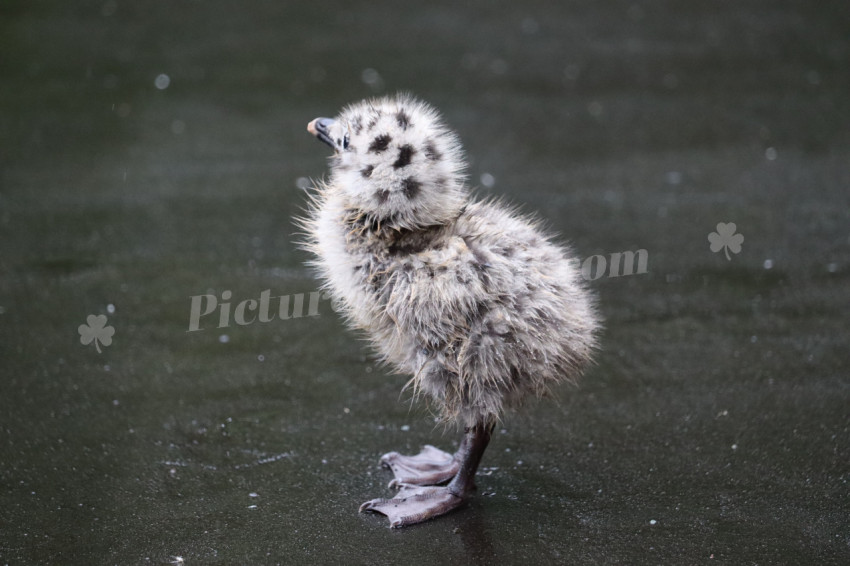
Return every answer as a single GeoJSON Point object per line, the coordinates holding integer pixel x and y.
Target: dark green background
{"type": "Point", "coordinates": [719, 404]}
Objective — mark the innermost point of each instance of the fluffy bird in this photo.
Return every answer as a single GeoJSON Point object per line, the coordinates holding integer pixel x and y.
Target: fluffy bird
{"type": "Point", "coordinates": [470, 298]}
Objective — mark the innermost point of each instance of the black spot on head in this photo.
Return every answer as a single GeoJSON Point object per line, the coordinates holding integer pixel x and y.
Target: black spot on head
{"type": "Point", "coordinates": [403, 119]}
{"type": "Point", "coordinates": [380, 143]}
{"type": "Point", "coordinates": [382, 196]}
{"type": "Point", "coordinates": [373, 122]}
{"type": "Point", "coordinates": [411, 187]}
{"type": "Point", "coordinates": [367, 171]}
{"type": "Point", "coordinates": [431, 151]}
{"type": "Point", "coordinates": [405, 152]}
{"type": "Point", "coordinates": [357, 124]}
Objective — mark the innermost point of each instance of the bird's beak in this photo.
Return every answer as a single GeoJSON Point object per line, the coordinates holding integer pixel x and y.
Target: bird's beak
{"type": "Point", "coordinates": [320, 127]}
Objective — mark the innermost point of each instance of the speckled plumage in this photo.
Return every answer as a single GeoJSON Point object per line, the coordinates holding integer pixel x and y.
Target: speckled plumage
{"type": "Point", "coordinates": [469, 297]}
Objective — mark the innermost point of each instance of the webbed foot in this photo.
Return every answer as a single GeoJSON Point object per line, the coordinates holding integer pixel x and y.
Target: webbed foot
{"type": "Point", "coordinates": [415, 504]}
{"type": "Point", "coordinates": [432, 466]}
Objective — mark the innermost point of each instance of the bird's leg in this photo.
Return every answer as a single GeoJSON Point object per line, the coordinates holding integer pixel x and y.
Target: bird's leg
{"type": "Point", "coordinates": [469, 454]}
{"type": "Point", "coordinates": [414, 504]}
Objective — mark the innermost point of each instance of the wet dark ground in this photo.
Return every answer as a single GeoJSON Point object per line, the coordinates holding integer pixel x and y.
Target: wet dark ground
{"type": "Point", "coordinates": [714, 428]}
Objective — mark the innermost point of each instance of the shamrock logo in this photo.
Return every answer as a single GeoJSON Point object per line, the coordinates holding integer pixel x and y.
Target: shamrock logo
{"type": "Point", "coordinates": [97, 331]}
{"type": "Point", "coordinates": [726, 239]}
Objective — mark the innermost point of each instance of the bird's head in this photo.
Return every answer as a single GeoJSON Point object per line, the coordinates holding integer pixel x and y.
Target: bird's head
{"type": "Point", "coordinates": [395, 161]}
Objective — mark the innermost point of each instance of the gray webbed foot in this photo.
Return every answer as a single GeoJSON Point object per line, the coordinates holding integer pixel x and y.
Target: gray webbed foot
{"type": "Point", "coordinates": [417, 501]}
{"type": "Point", "coordinates": [414, 504]}
{"type": "Point", "coordinates": [432, 466]}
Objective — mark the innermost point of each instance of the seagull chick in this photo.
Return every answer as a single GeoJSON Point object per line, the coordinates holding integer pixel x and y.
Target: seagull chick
{"type": "Point", "coordinates": [467, 296]}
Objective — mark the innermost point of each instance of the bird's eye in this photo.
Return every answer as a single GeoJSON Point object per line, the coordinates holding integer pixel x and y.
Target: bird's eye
{"type": "Point", "coordinates": [345, 142]}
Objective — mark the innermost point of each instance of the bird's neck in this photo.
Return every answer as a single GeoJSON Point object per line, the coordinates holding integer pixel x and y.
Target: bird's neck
{"type": "Point", "coordinates": [385, 233]}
